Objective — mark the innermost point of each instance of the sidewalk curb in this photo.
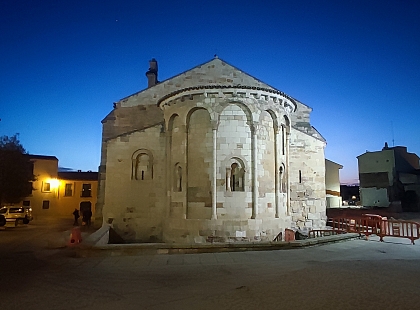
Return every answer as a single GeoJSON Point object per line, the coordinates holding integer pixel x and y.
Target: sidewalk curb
{"type": "Point", "coordinates": [93, 249]}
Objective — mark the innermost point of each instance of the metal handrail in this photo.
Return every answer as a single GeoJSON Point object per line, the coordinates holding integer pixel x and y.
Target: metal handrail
{"type": "Point", "coordinates": [316, 233]}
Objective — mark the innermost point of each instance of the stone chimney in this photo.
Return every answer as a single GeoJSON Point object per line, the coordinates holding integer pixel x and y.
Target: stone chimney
{"type": "Point", "coordinates": [152, 73]}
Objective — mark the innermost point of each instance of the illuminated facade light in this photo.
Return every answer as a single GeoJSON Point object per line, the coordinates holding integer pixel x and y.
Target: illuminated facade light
{"type": "Point", "coordinates": [54, 183]}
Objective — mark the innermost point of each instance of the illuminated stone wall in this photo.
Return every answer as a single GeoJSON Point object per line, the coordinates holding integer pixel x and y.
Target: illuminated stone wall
{"type": "Point", "coordinates": [211, 154]}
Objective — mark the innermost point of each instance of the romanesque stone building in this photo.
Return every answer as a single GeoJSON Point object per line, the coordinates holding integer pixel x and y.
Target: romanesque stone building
{"type": "Point", "coordinates": [210, 154]}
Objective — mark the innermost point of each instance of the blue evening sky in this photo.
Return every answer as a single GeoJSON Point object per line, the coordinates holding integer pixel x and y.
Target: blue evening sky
{"type": "Point", "coordinates": [64, 63]}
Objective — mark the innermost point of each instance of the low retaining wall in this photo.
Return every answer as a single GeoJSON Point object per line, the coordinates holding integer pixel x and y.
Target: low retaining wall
{"type": "Point", "coordinates": [162, 248]}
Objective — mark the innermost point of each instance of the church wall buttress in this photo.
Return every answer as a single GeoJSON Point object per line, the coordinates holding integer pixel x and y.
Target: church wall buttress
{"type": "Point", "coordinates": [307, 181]}
{"type": "Point", "coordinates": [135, 187]}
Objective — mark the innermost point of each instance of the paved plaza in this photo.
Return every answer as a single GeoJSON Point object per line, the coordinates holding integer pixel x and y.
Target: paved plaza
{"type": "Point", "coordinates": [38, 272]}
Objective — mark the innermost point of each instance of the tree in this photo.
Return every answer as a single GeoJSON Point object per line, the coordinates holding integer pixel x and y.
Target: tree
{"type": "Point", "coordinates": [16, 170]}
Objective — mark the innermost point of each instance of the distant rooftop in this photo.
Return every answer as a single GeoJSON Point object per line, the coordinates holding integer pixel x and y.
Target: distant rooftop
{"type": "Point", "coordinates": [45, 157]}
{"type": "Point", "coordinates": [78, 175]}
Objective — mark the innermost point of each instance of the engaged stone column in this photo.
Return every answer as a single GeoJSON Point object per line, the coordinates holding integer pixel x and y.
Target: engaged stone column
{"type": "Point", "coordinates": [254, 170]}
{"type": "Point", "coordinates": [277, 174]}
{"type": "Point", "coordinates": [228, 176]}
{"type": "Point", "coordinates": [168, 172]}
{"type": "Point", "coordinates": [287, 174]}
{"type": "Point", "coordinates": [214, 176]}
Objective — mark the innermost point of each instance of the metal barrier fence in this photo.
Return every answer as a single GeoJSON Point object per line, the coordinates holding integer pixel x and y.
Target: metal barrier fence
{"type": "Point", "coordinates": [324, 232]}
{"type": "Point", "coordinates": [289, 235]}
{"type": "Point", "coordinates": [402, 229]}
{"type": "Point", "coordinates": [376, 225]}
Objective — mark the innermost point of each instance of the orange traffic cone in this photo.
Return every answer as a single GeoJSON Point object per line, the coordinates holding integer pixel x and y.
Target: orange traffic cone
{"type": "Point", "coordinates": [75, 236]}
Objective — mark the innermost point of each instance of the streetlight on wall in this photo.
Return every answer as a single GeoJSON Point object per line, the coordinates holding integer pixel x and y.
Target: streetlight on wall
{"type": "Point", "coordinates": [55, 185]}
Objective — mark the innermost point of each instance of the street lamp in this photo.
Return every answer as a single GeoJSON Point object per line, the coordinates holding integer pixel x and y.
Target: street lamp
{"type": "Point", "coordinates": [55, 184]}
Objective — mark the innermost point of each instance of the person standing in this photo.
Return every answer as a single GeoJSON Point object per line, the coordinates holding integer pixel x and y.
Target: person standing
{"type": "Point", "coordinates": [76, 217]}
{"type": "Point", "coordinates": [87, 215]}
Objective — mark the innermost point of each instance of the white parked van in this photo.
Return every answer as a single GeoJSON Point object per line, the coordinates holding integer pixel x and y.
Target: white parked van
{"type": "Point", "coordinates": [16, 214]}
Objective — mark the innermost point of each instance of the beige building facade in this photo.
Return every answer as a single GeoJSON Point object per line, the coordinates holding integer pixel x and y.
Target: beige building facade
{"type": "Point", "coordinates": [43, 200]}
{"type": "Point", "coordinates": [332, 184]}
{"type": "Point", "coordinates": [77, 190]}
{"type": "Point", "coordinates": [390, 176]}
{"type": "Point", "coordinates": [210, 154]}
{"type": "Point", "coordinates": [57, 194]}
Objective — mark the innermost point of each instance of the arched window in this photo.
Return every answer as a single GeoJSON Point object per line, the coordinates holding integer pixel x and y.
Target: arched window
{"type": "Point", "coordinates": [283, 140]}
{"type": "Point", "coordinates": [235, 176]}
{"type": "Point", "coordinates": [285, 130]}
{"type": "Point", "coordinates": [142, 165]}
{"type": "Point", "coordinates": [178, 178]}
{"type": "Point", "coordinates": [282, 179]}
{"type": "Point", "coordinates": [143, 170]}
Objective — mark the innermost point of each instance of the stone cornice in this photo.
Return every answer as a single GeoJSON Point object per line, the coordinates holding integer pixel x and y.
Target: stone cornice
{"type": "Point", "coordinates": [232, 90]}
{"type": "Point", "coordinates": [129, 132]}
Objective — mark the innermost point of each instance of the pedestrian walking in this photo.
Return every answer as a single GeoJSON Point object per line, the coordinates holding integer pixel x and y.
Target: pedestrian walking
{"type": "Point", "coordinates": [76, 217]}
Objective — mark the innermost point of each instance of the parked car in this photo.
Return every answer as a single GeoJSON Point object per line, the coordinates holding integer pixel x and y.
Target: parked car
{"type": "Point", "coordinates": [17, 214]}
{"type": "Point", "coordinates": [2, 220]}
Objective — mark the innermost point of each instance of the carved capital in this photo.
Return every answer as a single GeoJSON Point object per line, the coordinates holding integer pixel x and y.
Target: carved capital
{"type": "Point", "coordinates": [253, 126]}
{"type": "Point", "coordinates": [214, 124]}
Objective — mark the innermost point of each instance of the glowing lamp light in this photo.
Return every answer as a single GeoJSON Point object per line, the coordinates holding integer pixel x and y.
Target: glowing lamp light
{"type": "Point", "coordinates": [54, 183]}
